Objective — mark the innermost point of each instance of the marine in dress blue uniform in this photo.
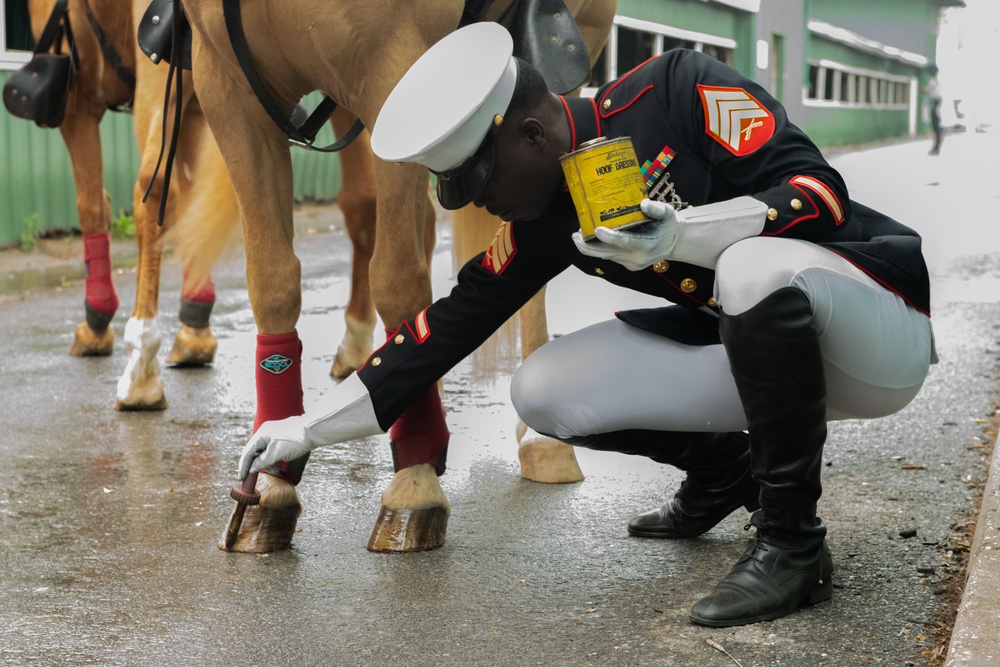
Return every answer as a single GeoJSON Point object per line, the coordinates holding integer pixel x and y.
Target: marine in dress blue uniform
{"type": "Point", "coordinates": [786, 303]}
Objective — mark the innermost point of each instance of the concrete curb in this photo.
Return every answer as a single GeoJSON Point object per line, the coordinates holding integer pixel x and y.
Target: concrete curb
{"type": "Point", "coordinates": [974, 637]}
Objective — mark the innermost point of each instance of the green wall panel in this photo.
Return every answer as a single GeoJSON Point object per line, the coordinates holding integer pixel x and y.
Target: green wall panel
{"type": "Point", "coordinates": [822, 48]}
{"type": "Point", "coordinates": [840, 127]}
{"type": "Point", "coordinates": [317, 175]}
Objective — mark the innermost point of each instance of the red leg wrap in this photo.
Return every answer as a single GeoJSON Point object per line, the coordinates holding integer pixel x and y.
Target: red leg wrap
{"type": "Point", "coordinates": [420, 435]}
{"type": "Point", "coordinates": [279, 387]}
{"type": "Point", "coordinates": [100, 290]}
{"type": "Point", "coordinates": [205, 293]}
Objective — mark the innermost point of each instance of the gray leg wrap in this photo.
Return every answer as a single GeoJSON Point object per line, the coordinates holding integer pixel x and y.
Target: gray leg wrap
{"type": "Point", "coordinates": [95, 320]}
{"type": "Point", "coordinates": [195, 314]}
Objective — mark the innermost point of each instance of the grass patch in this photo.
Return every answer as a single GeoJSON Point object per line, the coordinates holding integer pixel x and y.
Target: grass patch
{"type": "Point", "coordinates": [28, 238]}
{"type": "Point", "coordinates": [123, 225]}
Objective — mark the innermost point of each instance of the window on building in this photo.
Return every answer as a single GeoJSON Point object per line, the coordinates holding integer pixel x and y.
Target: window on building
{"type": "Point", "coordinates": [16, 41]}
{"type": "Point", "coordinates": [842, 85]}
{"type": "Point", "coordinates": [861, 89]}
{"type": "Point", "coordinates": [634, 48]}
{"type": "Point", "coordinates": [633, 42]}
{"type": "Point", "coordinates": [719, 53]}
{"type": "Point", "coordinates": [845, 87]}
{"type": "Point", "coordinates": [829, 84]}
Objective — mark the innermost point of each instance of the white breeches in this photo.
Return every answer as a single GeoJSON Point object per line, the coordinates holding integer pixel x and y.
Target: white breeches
{"type": "Point", "coordinates": [612, 376]}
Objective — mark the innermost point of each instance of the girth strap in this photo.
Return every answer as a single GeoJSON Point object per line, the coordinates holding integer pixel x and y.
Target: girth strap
{"type": "Point", "coordinates": [303, 135]}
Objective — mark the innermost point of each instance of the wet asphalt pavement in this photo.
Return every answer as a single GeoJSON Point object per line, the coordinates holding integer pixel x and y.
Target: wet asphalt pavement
{"type": "Point", "coordinates": [109, 521]}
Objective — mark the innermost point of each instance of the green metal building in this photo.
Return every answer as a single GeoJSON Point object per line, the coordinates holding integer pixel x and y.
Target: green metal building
{"type": "Point", "coordinates": [848, 71]}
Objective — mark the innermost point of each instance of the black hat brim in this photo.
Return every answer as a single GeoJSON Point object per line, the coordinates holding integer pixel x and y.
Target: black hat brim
{"type": "Point", "coordinates": [458, 187]}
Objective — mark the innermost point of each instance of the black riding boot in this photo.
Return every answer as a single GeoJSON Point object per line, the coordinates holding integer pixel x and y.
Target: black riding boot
{"type": "Point", "coordinates": [718, 480]}
{"type": "Point", "coordinates": [775, 358]}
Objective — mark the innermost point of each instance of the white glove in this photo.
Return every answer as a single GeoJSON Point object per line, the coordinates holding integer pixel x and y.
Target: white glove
{"type": "Point", "coordinates": [352, 417]}
{"type": "Point", "coordinates": [695, 235]}
{"type": "Point", "coordinates": [637, 247]}
{"type": "Point", "coordinates": [703, 232]}
{"type": "Point", "coordinates": [274, 441]}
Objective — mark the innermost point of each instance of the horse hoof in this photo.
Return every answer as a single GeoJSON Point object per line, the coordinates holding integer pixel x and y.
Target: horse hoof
{"type": "Point", "coordinates": [90, 343]}
{"type": "Point", "coordinates": [341, 368]}
{"type": "Point", "coordinates": [270, 525]}
{"type": "Point", "coordinates": [548, 461]}
{"type": "Point", "coordinates": [408, 530]}
{"type": "Point", "coordinates": [193, 347]}
{"type": "Point", "coordinates": [148, 406]}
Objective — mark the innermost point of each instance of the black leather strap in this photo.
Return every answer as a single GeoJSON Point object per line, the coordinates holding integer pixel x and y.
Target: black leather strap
{"type": "Point", "coordinates": [51, 29]}
{"type": "Point", "coordinates": [475, 11]}
{"type": "Point", "coordinates": [110, 53]}
{"type": "Point", "coordinates": [52, 33]}
{"type": "Point", "coordinates": [175, 72]}
{"type": "Point", "coordinates": [303, 135]}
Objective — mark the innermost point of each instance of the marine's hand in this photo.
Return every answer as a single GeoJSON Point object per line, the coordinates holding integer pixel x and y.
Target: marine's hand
{"type": "Point", "coordinates": [637, 247]}
{"type": "Point", "coordinates": [274, 441]}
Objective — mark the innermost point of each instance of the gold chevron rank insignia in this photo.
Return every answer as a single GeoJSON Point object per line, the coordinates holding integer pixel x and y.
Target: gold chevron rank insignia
{"type": "Point", "coordinates": [501, 251]}
{"type": "Point", "coordinates": [735, 119]}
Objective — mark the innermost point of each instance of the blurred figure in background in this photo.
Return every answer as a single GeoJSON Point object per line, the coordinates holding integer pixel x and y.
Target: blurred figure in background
{"type": "Point", "coordinates": [933, 101]}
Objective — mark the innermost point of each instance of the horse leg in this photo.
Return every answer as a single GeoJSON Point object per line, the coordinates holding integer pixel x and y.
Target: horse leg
{"type": "Point", "coordinates": [257, 157]}
{"type": "Point", "coordinates": [543, 459]}
{"type": "Point", "coordinates": [415, 511]}
{"type": "Point", "coordinates": [80, 131]}
{"type": "Point", "coordinates": [357, 201]}
{"type": "Point", "coordinates": [207, 216]}
{"type": "Point", "coordinates": [140, 386]}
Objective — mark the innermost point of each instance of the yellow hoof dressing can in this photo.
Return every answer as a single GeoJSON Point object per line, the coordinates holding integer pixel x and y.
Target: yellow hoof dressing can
{"type": "Point", "coordinates": [606, 184]}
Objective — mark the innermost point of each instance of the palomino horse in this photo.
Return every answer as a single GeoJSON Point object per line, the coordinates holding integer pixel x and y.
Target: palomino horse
{"type": "Point", "coordinates": [355, 51]}
{"type": "Point", "coordinates": [201, 198]}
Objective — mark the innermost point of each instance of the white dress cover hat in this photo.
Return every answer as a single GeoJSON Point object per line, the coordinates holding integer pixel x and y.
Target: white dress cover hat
{"type": "Point", "coordinates": [445, 110]}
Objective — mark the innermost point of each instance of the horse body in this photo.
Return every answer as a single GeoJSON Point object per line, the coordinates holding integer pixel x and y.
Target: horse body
{"type": "Point", "coordinates": [355, 51]}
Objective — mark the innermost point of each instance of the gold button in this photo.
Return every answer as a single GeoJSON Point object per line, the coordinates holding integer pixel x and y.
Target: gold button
{"type": "Point", "coordinates": [772, 214]}
{"type": "Point", "coordinates": [599, 271]}
{"type": "Point", "coordinates": [661, 267]}
{"type": "Point", "coordinates": [712, 302]}
{"type": "Point", "coordinates": [607, 104]}
{"type": "Point", "coordinates": [796, 204]}
{"type": "Point", "coordinates": [498, 120]}
{"type": "Point", "coordinates": [399, 339]}
{"type": "Point", "coordinates": [376, 361]}
{"type": "Point", "coordinates": [688, 285]}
